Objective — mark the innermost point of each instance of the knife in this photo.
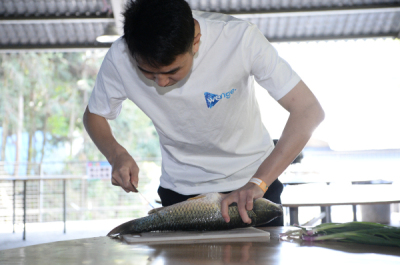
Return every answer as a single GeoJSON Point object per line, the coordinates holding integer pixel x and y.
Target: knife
{"type": "Point", "coordinates": [144, 198]}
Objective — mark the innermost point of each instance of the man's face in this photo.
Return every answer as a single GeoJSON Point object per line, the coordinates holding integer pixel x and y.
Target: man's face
{"type": "Point", "coordinates": [168, 75]}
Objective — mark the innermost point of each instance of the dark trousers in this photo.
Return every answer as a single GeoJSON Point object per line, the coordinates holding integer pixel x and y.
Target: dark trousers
{"type": "Point", "coordinates": [169, 197]}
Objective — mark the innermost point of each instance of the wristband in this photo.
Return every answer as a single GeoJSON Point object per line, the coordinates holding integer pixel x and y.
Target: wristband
{"type": "Point", "coordinates": [259, 183]}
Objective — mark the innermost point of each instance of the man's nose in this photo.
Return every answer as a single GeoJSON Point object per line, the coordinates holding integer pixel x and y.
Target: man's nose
{"type": "Point", "coordinates": [161, 80]}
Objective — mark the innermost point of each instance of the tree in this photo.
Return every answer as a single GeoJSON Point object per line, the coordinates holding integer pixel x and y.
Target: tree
{"type": "Point", "coordinates": [47, 93]}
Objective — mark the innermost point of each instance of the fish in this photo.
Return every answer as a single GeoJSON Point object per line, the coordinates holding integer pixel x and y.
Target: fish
{"type": "Point", "coordinates": [200, 213]}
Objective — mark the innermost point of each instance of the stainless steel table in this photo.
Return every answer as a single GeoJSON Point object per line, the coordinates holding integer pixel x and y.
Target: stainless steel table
{"type": "Point", "coordinates": [103, 250]}
{"type": "Point", "coordinates": [295, 196]}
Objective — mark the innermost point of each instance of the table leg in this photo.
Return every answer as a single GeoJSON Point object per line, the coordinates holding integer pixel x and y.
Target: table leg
{"type": "Point", "coordinates": [14, 205]}
{"type": "Point", "coordinates": [23, 237]}
{"type": "Point", "coordinates": [327, 211]}
{"type": "Point", "coordinates": [328, 214]}
{"type": "Point", "coordinates": [355, 213]}
{"type": "Point", "coordinates": [65, 206]}
{"type": "Point", "coordinates": [294, 215]}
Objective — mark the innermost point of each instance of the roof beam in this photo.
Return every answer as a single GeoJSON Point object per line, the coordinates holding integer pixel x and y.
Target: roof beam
{"type": "Point", "coordinates": [328, 38]}
{"type": "Point", "coordinates": [57, 20]}
{"type": "Point", "coordinates": [53, 48]}
{"type": "Point", "coordinates": [245, 14]}
{"type": "Point", "coordinates": [317, 12]}
{"type": "Point", "coordinates": [82, 48]}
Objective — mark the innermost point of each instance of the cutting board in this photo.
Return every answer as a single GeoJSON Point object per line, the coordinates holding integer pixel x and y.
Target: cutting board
{"type": "Point", "coordinates": [238, 234]}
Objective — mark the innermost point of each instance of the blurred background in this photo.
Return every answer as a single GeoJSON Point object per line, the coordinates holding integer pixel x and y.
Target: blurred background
{"type": "Point", "coordinates": [55, 184]}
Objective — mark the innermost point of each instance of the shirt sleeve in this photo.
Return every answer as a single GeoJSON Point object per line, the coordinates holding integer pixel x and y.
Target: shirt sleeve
{"type": "Point", "coordinates": [271, 71]}
{"type": "Point", "coordinates": [108, 92]}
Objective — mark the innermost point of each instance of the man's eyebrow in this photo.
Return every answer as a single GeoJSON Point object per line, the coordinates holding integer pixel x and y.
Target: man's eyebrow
{"type": "Point", "coordinates": [169, 72]}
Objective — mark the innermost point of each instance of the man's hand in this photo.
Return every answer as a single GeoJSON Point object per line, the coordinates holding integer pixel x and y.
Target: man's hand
{"type": "Point", "coordinates": [244, 198]}
{"type": "Point", "coordinates": [125, 172]}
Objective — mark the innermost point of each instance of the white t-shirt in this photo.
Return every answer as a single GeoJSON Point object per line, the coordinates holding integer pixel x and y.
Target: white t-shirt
{"type": "Point", "coordinates": [211, 135]}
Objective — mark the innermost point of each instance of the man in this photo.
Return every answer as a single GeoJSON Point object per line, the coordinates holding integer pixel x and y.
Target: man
{"type": "Point", "coordinates": [192, 73]}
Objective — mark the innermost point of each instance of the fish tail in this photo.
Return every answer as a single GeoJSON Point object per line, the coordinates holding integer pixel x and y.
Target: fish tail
{"type": "Point", "coordinates": [123, 229]}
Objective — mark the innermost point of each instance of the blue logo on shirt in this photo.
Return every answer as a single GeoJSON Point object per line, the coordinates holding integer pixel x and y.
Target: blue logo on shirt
{"type": "Point", "coordinates": [212, 99]}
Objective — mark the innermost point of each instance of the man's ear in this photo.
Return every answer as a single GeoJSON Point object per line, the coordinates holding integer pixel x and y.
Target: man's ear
{"type": "Point", "coordinates": [196, 43]}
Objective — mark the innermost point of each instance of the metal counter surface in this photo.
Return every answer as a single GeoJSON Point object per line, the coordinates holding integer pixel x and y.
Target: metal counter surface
{"type": "Point", "coordinates": [104, 250]}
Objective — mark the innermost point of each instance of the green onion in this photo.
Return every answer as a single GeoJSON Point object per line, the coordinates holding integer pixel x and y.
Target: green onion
{"type": "Point", "coordinates": [355, 232]}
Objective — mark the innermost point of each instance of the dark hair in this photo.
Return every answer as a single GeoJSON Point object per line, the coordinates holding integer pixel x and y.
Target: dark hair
{"type": "Point", "coordinates": [157, 31]}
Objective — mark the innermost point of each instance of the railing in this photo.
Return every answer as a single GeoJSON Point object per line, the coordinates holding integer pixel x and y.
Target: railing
{"type": "Point", "coordinates": [69, 191]}
{"type": "Point", "coordinates": [76, 168]}
{"type": "Point", "coordinates": [55, 191]}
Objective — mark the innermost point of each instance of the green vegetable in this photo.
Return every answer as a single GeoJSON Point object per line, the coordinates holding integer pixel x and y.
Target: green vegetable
{"type": "Point", "coordinates": [355, 232]}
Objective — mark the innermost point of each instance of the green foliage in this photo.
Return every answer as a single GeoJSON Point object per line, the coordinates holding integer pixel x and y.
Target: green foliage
{"type": "Point", "coordinates": [55, 88]}
{"type": "Point", "coordinates": [58, 125]}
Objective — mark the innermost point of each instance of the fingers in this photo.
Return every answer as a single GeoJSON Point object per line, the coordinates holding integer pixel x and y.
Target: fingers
{"type": "Point", "coordinates": [242, 208]}
{"type": "Point", "coordinates": [125, 172]}
{"type": "Point", "coordinates": [115, 183]}
{"type": "Point", "coordinates": [134, 176]}
{"type": "Point", "coordinates": [224, 208]}
{"type": "Point", "coordinates": [249, 203]}
{"type": "Point", "coordinates": [241, 202]}
{"type": "Point", "coordinates": [244, 198]}
{"type": "Point", "coordinates": [126, 178]}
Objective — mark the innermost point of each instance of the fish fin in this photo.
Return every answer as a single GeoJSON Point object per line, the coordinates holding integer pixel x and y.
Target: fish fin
{"type": "Point", "coordinates": [154, 210]}
{"type": "Point", "coordinates": [197, 197]}
{"type": "Point", "coordinates": [125, 228]}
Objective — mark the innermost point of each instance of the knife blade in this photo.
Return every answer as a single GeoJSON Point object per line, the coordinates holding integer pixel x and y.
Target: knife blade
{"type": "Point", "coordinates": [154, 208]}
{"type": "Point", "coordinates": [144, 198]}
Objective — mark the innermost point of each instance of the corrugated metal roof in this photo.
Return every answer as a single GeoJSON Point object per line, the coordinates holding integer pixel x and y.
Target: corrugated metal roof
{"type": "Point", "coordinates": [25, 8]}
{"type": "Point", "coordinates": [50, 33]}
{"type": "Point", "coordinates": [328, 26]}
{"type": "Point", "coordinates": [27, 24]}
{"type": "Point", "coordinates": [226, 6]}
{"type": "Point", "coordinates": [45, 8]}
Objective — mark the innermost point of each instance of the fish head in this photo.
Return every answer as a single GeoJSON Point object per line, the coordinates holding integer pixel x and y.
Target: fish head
{"type": "Point", "coordinates": [266, 210]}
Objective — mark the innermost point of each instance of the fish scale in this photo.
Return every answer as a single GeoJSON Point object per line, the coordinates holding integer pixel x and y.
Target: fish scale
{"type": "Point", "coordinates": [202, 213]}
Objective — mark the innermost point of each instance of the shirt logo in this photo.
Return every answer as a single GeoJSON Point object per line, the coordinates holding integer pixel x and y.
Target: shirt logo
{"type": "Point", "coordinates": [212, 99]}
